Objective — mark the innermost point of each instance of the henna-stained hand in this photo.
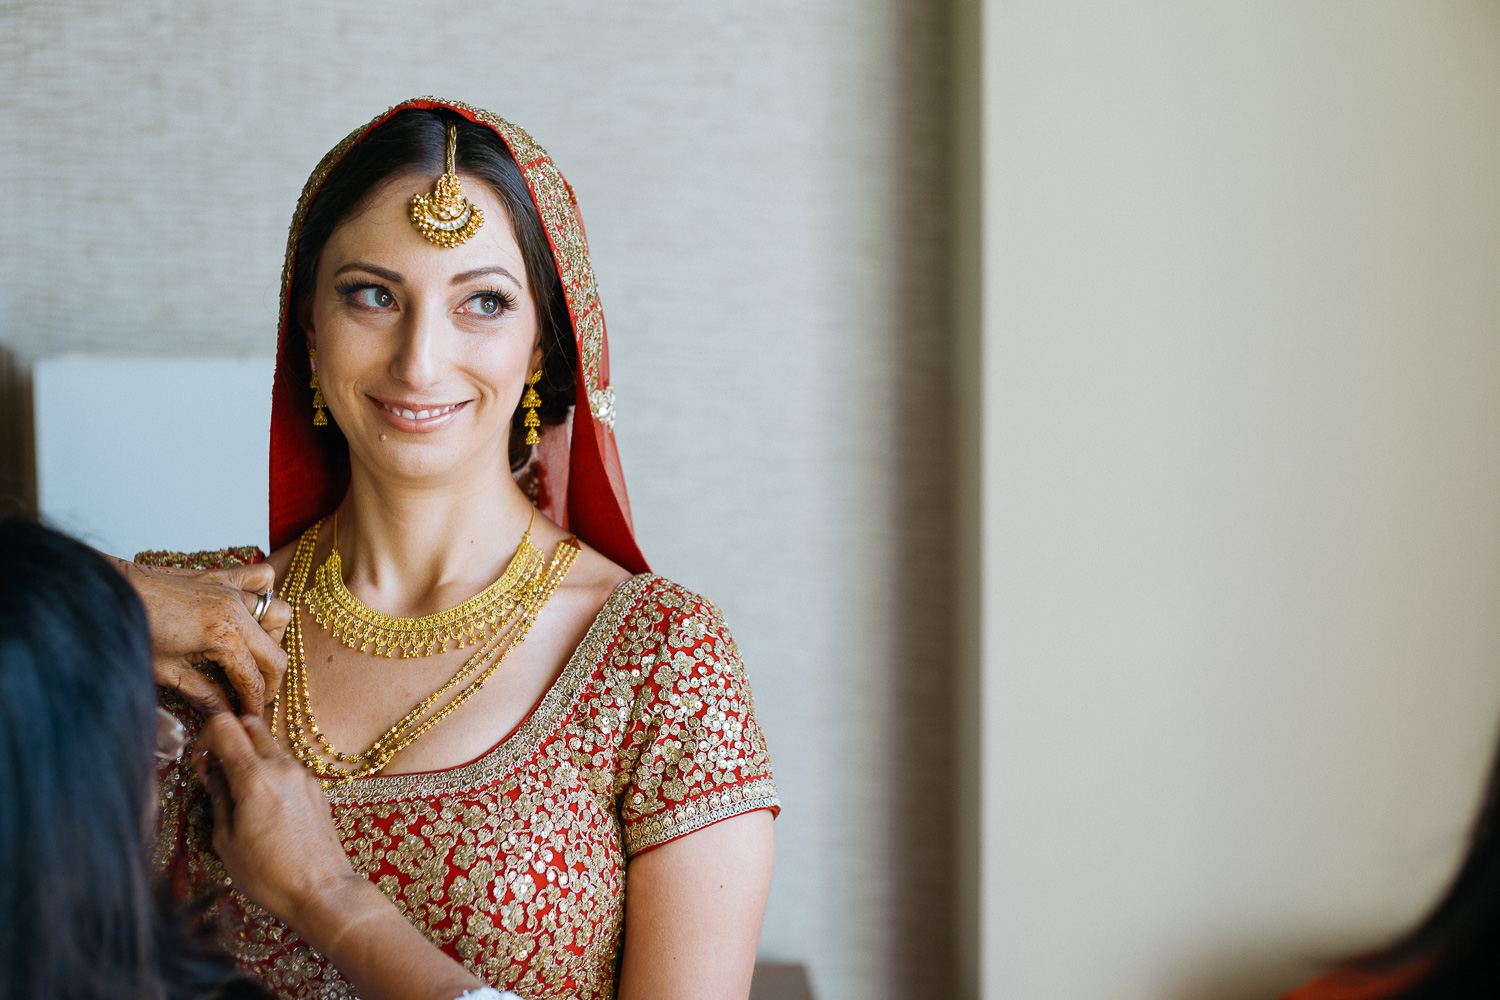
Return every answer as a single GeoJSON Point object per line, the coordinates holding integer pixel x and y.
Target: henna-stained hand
{"type": "Point", "coordinates": [197, 616]}
{"type": "Point", "coordinates": [271, 823]}
{"type": "Point", "coordinates": [275, 834]}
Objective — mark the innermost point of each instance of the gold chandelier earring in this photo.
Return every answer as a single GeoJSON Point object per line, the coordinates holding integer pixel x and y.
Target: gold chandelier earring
{"type": "Point", "coordinates": [530, 402]}
{"type": "Point", "coordinates": [320, 419]}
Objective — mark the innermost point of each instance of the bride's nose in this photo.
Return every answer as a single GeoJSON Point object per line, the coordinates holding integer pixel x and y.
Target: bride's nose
{"type": "Point", "coordinates": [419, 354]}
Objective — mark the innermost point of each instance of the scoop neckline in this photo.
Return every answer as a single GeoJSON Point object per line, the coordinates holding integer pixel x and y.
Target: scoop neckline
{"type": "Point", "coordinates": [526, 736]}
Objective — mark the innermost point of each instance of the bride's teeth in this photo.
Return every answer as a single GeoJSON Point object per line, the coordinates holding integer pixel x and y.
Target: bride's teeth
{"type": "Point", "coordinates": [436, 411]}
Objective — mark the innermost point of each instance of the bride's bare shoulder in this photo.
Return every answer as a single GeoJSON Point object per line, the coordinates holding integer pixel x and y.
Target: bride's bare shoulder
{"type": "Point", "coordinates": [596, 572]}
{"type": "Point", "coordinates": [593, 576]}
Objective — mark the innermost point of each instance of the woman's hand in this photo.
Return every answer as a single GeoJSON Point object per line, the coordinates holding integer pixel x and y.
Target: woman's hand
{"type": "Point", "coordinates": [209, 616]}
{"type": "Point", "coordinates": [273, 831]}
{"type": "Point", "coordinates": [271, 824]}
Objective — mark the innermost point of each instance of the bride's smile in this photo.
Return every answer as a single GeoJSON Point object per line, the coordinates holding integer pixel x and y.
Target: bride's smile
{"type": "Point", "coordinates": [416, 417]}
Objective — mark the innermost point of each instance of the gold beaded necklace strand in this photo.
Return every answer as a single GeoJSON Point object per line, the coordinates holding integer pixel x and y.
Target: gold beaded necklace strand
{"type": "Point", "coordinates": [314, 749]}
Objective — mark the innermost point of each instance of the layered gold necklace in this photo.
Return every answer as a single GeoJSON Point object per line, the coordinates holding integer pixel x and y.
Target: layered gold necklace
{"type": "Point", "coordinates": [362, 628]}
{"type": "Point", "coordinates": [497, 619]}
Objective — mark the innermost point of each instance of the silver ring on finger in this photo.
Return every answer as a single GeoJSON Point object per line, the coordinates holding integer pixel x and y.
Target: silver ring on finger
{"type": "Point", "coordinates": [262, 604]}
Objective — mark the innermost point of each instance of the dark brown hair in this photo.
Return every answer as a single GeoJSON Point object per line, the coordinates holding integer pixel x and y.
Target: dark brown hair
{"type": "Point", "coordinates": [416, 140]}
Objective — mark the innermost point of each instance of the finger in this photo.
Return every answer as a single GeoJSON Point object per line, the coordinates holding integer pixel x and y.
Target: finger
{"type": "Point", "coordinates": [248, 584]}
{"type": "Point", "coordinates": [198, 690]}
{"type": "Point", "coordinates": [268, 658]}
{"type": "Point", "coordinates": [253, 579]}
{"type": "Point", "coordinates": [270, 661]}
{"type": "Point", "coordinates": [277, 615]}
{"type": "Point", "coordinates": [228, 648]}
{"type": "Point", "coordinates": [251, 659]}
{"type": "Point", "coordinates": [224, 736]}
{"type": "Point", "coordinates": [211, 776]}
{"type": "Point", "coordinates": [260, 736]}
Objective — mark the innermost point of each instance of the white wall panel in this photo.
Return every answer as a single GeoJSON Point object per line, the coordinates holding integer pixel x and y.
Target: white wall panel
{"type": "Point", "coordinates": [127, 463]}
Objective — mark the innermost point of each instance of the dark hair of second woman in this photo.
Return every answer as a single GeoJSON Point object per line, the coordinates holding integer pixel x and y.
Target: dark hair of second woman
{"type": "Point", "coordinates": [77, 789]}
{"type": "Point", "coordinates": [1453, 952]}
{"type": "Point", "coordinates": [415, 140]}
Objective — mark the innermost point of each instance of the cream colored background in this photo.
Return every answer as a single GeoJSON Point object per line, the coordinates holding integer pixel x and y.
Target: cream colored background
{"type": "Point", "coordinates": [1240, 478]}
{"type": "Point", "coordinates": [763, 189]}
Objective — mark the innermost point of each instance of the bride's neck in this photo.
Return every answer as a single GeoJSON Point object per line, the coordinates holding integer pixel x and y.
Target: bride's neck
{"type": "Point", "coordinates": [416, 538]}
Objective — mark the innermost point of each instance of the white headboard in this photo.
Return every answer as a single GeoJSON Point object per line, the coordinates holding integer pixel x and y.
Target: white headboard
{"type": "Point", "coordinates": [154, 453]}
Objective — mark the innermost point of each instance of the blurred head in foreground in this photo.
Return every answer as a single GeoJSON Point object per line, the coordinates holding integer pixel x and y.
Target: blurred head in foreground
{"type": "Point", "coordinates": [77, 786]}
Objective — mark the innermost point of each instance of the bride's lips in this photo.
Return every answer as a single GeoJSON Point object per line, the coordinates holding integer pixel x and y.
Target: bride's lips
{"type": "Point", "coordinates": [416, 417]}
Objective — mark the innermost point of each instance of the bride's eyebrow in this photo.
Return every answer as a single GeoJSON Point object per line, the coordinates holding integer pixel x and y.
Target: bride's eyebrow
{"type": "Point", "coordinates": [479, 272]}
{"type": "Point", "coordinates": [380, 272]}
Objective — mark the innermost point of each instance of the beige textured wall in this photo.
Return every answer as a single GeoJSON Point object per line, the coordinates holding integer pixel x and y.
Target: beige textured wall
{"type": "Point", "coordinates": [764, 187]}
{"type": "Point", "coordinates": [1240, 382]}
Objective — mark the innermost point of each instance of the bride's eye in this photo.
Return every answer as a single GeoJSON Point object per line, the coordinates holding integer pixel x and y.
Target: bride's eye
{"type": "Point", "coordinates": [369, 296]}
{"type": "Point", "coordinates": [488, 304]}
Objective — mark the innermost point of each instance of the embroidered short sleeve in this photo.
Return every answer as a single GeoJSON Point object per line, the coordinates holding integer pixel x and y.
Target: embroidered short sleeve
{"type": "Point", "coordinates": [243, 555]}
{"type": "Point", "coordinates": [693, 753]}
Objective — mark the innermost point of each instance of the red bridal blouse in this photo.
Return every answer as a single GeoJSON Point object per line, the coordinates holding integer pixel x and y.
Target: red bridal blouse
{"type": "Point", "coordinates": [514, 863]}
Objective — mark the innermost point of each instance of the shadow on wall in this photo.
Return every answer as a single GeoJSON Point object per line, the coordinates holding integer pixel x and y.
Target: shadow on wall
{"type": "Point", "coordinates": [922, 909]}
{"type": "Point", "coordinates": [780, 981]}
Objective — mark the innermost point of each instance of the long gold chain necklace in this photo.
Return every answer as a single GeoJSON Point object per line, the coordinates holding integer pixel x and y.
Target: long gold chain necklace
{"type": "Point", "coordinates": [314, 749]}
{"type": "Point", "coordinates": [362, 628]}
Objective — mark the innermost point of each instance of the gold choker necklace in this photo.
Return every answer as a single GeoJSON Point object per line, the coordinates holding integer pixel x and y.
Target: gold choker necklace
{"type": "Point", "coordinates": [314, 749]}
{"type": "Point", "coordinates": [362, 628]}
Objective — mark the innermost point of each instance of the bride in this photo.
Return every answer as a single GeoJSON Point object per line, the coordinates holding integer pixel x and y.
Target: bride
{"type": "Point", "coordinates": [528, 744]}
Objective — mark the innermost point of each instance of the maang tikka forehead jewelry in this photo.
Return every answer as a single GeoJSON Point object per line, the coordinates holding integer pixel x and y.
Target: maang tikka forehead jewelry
{"type": "Point", "coordinates": [446, 217]}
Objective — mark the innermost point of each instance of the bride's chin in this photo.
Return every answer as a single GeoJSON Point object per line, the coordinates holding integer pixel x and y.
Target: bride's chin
{"type": "Point", "coordinates": [414, 470]}
{"type": "Point", "coordinates": [412, 459]}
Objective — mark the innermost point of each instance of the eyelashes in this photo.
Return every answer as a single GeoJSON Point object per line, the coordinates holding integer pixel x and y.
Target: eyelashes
{"type": "Point", "coordinates": [505, 301]}
{"type": "Point", "coordinates": [365, 294]}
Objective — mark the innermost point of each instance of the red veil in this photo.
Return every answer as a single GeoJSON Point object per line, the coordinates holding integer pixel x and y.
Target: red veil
{"type": "Point", "coordinates": [581, 484]}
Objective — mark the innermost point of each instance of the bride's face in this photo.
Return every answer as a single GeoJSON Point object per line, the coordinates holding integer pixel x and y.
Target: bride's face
{"type": "Point", "coordinates": [423, 351]}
